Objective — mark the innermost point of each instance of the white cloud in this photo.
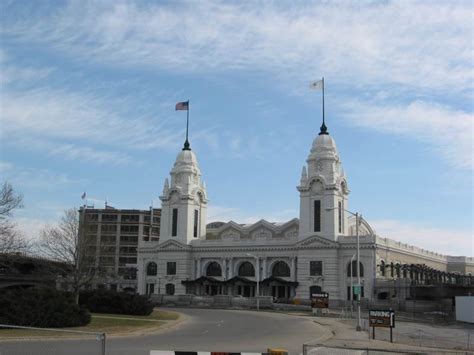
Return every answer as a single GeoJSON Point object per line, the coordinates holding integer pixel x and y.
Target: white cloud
{"type": "Point", "coordinates": [441, 240]}
{"type": "Point", "coordinates": [34, 178]}
{"type": "Point", "coordinates": [417, 44]}
{"type": "Point", "coordinates": [449, 132]}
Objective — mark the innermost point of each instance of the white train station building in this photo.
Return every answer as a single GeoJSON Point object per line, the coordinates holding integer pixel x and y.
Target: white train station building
{"type": "Point", "coordinates": [315, 252]}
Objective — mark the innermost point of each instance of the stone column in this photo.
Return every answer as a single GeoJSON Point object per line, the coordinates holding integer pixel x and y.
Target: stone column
{"type": "Point", "coordinates": [224, 266]}
{"type": "Point", "coordinates": [264, 267]}
{"type": "Point", "coordinates": [231, 268]}
{"type": "Point", "coordinates": [198, 274]}
{"type": "Point", "coordinates": [292, 268]}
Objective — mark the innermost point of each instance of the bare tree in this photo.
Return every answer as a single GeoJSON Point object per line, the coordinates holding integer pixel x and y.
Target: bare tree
{"type": "Point", "coordinates": [67, 242]}
{"type": "Point", "coordinates": [11, 240]}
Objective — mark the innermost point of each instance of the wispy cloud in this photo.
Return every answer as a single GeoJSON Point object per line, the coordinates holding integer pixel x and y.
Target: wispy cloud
{"type": "Point", "coordinates": [445, 241]}
{"type": "Point", "coordinates": [22, 177]}
{"type": "Point", "coordinates": [448, 132]}
{"type": "Point", "coordinates": [417, 44]}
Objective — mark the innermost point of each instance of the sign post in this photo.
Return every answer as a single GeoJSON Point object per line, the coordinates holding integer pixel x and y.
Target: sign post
{"type": "Point", "coordinates": [319, 301]}
{"type": "Point", "coordinates": [382, 319]}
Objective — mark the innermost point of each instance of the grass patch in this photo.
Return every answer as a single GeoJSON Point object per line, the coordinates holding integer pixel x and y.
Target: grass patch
{"type": "Point", "coordinates": [112, 324]}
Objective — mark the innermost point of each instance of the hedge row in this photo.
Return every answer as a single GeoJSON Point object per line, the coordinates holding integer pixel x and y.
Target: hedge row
{"type": "Point", "coordinates": [104, 301]}
{"type": "Point", "coordinates": [41, 307]}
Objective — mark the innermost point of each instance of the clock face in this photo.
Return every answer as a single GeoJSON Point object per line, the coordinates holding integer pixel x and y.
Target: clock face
{"type": "Point", "coordinates": [320, 166]}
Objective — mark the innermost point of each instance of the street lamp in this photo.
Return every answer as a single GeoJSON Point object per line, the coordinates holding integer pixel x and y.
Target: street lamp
{"type": "Point", "coordinates": [352, 288]}
{"type": "Point", "coordinates": [258, 279]}
{"type": "Point", "coordinates": [358, 219]}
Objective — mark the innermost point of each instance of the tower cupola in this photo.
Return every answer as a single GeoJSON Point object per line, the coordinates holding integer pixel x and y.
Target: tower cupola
{"type": "Point", "coordinates": [184, 202]}
{"type": "Point", "coordinates": [323, 191]}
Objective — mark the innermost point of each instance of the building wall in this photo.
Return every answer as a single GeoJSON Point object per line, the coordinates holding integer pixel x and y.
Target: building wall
{"type": "Point", "coordinates": [113, 237]}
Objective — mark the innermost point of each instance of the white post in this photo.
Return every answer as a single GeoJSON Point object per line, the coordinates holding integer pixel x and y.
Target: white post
{"type": "Point", "coordinates": [359, 328]}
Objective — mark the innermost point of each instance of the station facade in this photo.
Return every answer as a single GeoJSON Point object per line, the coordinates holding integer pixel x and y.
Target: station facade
{"type": "Point", "coordinates": [313, 253]}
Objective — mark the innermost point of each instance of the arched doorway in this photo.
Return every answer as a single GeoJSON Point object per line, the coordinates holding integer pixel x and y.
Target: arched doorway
{"type": "Point", "coordinates": [314, 289]}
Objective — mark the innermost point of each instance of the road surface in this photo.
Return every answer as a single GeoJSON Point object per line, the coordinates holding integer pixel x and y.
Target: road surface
{"type": "Point", "coordinates": [203, 330]}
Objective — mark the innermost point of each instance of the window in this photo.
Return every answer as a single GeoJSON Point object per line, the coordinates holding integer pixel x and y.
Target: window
{"type": "Point", "coordinates": [382, 268]}
{"type": "Point", "coordinates": [171, 268]}
{"type": "Point", "coordinates": [169, 289]}
{"type": "Point", "coordinates": [108, 228]}
{"type": "Point", "coordinates": [155, 231]}
{"type": "Point", "coordinates": [124, 260]}
{"type": "Point", "coordinates": [91, 228]}
{"type": "Point", "coordinates": [354, 269]}
{"type": "Point", "coordinates": [128, 229]}
{"type": "Point", "coordinates": [150, 289]}
{"type": "Point", "coordinates": [128, 239]}
{"type": "Point", "coordinates": [213, 269]}
{"type": "Point", "coordinates": [281, 269]}
{"type": "Point", "coordinates": [340, 216]}
{"type": "Point", "coordinates": [109, 218]}
{"type": "Point", "coordinates": [128, 250]}
{"type": "Point", "coordinates": [174, 228]}
{"type": "Point", "coordinates": [317, 216]}
{"type": "Point", "coordinates": [130, 218]}
{"type": "Point", "coordinates": [196, 218]}
{"type": "Point", "coordinates": [107, 239]}
{"type": "Point", "coordinates": [151, 269]}
{"type": "Point", "coordinates": [92, 217]}
{"type": "Point", "coordinates": [315, 268]}
{"type": "Point", "coordinates": [246, 269]}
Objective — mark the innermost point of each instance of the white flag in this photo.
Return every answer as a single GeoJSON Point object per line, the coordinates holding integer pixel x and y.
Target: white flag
{"type": "Point", "coordinates": [317, 85]}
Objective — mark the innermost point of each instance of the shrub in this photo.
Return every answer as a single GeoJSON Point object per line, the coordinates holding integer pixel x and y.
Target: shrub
{"type": "Point", "coordinates": [41, 307]}
{"type": "Point", "coordinates": [104, 301]}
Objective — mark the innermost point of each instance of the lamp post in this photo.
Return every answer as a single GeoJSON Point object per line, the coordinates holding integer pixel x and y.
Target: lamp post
{"type": "Point", "coordinates": [352, 288]}
{"type": "Point", "coordinates": [358, 219]}
{"type": "Point", "coordinates": [258, 279]}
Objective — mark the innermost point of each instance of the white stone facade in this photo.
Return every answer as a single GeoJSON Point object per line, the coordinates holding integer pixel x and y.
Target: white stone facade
{"type": "Point", "coordinates": [296, 258]}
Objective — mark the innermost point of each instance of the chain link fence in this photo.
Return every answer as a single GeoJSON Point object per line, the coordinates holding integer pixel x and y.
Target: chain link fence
{"type": "Point", "coordinates": [16, 340]}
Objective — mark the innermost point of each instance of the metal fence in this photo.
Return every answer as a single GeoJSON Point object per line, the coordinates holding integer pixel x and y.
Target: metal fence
{"type": "Point", "coordinates": [319, 349]}
{"type": "Point", "coordinates": [16, 340]}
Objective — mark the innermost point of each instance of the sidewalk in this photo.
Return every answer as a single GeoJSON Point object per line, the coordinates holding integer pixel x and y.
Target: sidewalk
{"type": "Point", "coordinates": [408, 336]}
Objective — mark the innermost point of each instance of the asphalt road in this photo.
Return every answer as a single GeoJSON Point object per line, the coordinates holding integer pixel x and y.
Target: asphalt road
{"type": "Point", "coordinates": [203, 330]}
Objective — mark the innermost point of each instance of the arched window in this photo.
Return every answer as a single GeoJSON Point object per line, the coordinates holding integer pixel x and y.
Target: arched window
{"type": "Point", "coordinates": [354, 269]}
{"type": "Point", "coordinates": [169, 289]}
{"type": "Point", "coordinates": [246, 269]}
{"type": "Point", "coordinates": [213, 269]}
{"type": "Point", "coordinates": [382, 268]}
{"type": "Point", "coordinates": [398, 271]}
{"type": "Point", "coordinates": [281, 269]}
{"type": "Point", "coordinates": [151, 269]}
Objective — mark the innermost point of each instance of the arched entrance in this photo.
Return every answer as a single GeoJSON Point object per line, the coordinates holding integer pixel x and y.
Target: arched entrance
{"type": "Point", "coordinates": [314, 289]}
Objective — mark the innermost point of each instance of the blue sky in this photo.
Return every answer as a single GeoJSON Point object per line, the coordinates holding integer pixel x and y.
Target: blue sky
{"type": "Point", "coordinates": [88, 92]}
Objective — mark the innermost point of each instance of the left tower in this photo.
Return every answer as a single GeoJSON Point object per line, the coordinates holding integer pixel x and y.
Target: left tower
{"type": "Point", "coordinates": [184, 201]}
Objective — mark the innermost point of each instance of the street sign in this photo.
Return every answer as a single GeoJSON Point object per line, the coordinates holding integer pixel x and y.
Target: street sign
{"type": "Point", "coordinates": [382, 319]}
{"type": "Point", "coordinates": [357, 289]}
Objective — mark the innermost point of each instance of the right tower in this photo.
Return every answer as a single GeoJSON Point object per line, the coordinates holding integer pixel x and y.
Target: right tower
{"type": "Point", "coordinates": [323, 191]}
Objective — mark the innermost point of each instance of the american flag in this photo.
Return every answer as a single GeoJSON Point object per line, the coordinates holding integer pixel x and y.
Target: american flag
{"type": "Point", "coordinates": [182, 106]}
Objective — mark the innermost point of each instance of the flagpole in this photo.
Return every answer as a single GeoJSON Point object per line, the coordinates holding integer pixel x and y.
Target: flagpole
{"type": "Point", "coordinates": [186, 143]}
{"type": "Point", "coordinates": [323, 102]}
